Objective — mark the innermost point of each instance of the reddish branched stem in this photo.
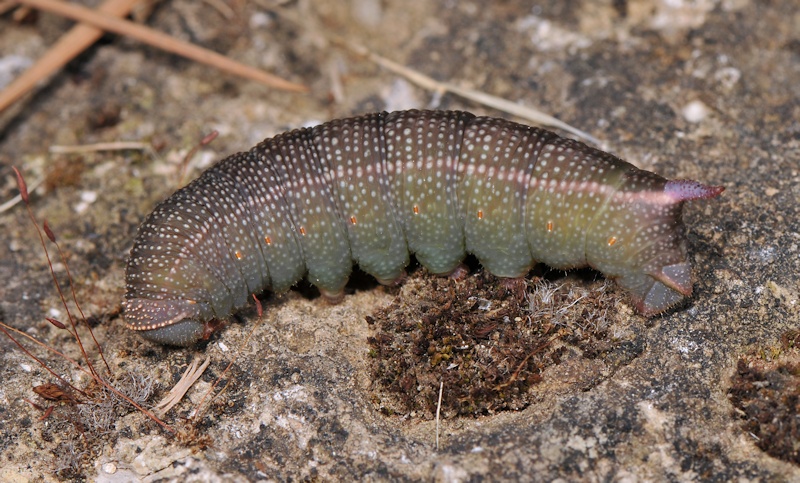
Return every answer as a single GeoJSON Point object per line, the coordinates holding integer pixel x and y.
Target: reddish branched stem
{"type": "Point", "coordinates": [23, 187]}
{"type": "Point", "coordinates": [56, 323]}
{"type": "Point", "coordinates": [78, 305]}
{"type": "Point", "coordinates": [44, 346]}
{"type": "Point", "coordinates": [74, 332]}
{"type": "Point", "coordinates": [41, 362]}
{"type": "Point", "coordinates": [57, 284]}
{"type": "Point", "coordinates": [97, 378]}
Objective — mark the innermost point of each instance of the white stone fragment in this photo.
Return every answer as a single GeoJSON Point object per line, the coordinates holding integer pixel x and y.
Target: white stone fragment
{"type": "Point", "coordinates": [695, 111]}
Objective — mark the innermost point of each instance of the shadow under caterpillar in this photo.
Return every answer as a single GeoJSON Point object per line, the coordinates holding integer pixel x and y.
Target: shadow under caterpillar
{"type": "Point", "coordinates": [373, 189]}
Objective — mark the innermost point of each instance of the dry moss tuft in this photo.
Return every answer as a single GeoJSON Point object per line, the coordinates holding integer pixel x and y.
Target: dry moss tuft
{"type": "Point", "coordinates": [765, 392]}
{"type": "Point", "coordinates": [488, 340]}
{"type": "Point", "coordinates": [81, 425]}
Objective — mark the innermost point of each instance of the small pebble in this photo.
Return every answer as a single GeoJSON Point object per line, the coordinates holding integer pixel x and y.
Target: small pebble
{"type": "Point", "coordinates": [260, 20]}
{"type": "Point", "coordinates": [87, 198]}
{"type": "Point", "coordinates": [695, 111]}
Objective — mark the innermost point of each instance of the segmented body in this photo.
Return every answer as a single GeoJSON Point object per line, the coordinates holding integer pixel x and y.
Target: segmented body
{"type": "Point", "coordinates": [373, 189]}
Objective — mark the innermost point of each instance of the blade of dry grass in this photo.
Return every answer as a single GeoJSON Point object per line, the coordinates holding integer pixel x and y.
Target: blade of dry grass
{"type": "Point", "coordinates": [192, 374]}
{"type": "Point", "coordinates": [534, 115]}
{"type": "Point", "coordinates": [67, 48]}
{"type": "Point", "coordinates": [519, 110]}
{"type": "Point", "coordinates": [162, 41]}
{"type": "Point", "coordinates": [97, 147]}
{"type": "Point", "coordinates": [438, 411]}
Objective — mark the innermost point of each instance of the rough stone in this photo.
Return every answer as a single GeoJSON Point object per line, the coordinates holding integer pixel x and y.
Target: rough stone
{"type": "Point", "coordinates": [298, 400]}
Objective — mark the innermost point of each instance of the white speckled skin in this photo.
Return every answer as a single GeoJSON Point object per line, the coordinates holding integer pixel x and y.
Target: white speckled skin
{"type": "Point", "coordinates": [370, 190]}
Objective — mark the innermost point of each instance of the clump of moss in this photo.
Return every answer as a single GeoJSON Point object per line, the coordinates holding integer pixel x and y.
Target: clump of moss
{"type": "Point", "coordinates": [487, 340]}
{"type": "Point", "coordinates": [765, 392]}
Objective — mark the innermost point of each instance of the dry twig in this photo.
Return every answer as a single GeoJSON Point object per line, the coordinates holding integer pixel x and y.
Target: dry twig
{"type": "Point", "coordinates": [67, 48]}
{"type": "Point", "coordinates": [106, 19]}
{"type": "Point", "coordinates": [162, 41]}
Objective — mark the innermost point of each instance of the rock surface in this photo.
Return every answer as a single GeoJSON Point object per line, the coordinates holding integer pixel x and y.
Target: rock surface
{"type": "Point", "coordinates": [705, 90]}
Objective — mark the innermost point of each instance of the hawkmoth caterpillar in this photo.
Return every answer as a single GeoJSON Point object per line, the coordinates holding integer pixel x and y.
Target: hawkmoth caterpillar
{"type": "Point", "coordinates": [373, 189]}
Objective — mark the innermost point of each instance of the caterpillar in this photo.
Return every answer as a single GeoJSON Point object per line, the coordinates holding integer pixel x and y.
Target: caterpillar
{"type": "Point", "coordinates": [373, 189]}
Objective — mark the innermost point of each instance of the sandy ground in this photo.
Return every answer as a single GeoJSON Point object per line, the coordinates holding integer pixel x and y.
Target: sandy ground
{"type": "Point", "coordinates": [706, 90]}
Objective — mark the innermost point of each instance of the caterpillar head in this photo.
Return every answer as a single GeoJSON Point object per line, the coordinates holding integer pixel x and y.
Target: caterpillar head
{"type": "Point", "coordinates": [170, 295]}
{"type": "Point", "coordinates": [638, 239]}
{"type": "Point", "coordinates": [170, 321]}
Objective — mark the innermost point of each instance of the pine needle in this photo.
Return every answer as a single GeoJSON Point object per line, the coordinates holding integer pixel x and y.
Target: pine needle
{"type": "Point", "coordinates": [108, 18]}
{"type": "Point", "coordinates": [70, 45]}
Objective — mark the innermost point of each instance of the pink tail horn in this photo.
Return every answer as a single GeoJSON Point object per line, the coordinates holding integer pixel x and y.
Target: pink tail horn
{"type": "Point", "coordinates": [686, 189]}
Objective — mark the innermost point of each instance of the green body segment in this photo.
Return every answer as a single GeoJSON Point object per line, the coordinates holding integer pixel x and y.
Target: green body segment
{"type": "Point", "coordinates": [371, 190]}
{"type": "Point", "coordinates": [571, 185]}
{"type": "Point", "coordinates": [355, 156]}
{"type": "Point", "coordinates": [422, 154]}
{"type": "Point", "coordinates": [497, 159]}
